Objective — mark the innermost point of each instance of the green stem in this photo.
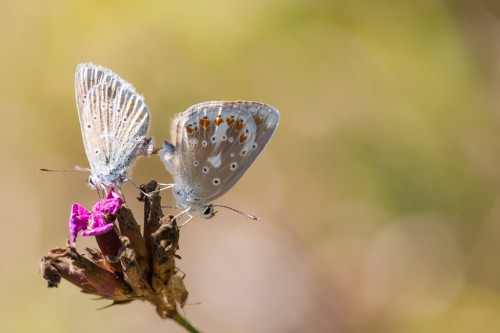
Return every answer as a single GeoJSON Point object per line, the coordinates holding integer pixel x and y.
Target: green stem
{"type": "Point", "coordinates": [183, 322]}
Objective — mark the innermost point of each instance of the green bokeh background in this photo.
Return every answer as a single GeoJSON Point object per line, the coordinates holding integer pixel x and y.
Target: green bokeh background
{"type": "Point", "coordinates": [378, 194]}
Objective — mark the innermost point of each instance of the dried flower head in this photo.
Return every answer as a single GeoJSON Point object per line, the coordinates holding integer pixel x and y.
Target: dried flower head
{"type": "Point", "coordinates": [130, 265]}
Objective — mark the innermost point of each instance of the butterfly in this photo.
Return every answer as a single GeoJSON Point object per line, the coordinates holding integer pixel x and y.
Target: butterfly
{"type": "Point", "coordinates": [213, 144]}
{"type": "Point", "coordinates": [114, 121]}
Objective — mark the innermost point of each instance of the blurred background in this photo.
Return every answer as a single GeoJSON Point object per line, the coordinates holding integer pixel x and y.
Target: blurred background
{"type": "Point", "coordinates": [379, 193]}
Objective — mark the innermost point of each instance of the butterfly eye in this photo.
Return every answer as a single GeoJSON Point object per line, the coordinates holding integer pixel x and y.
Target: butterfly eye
{"type": "Point", "coordinates": [208, 212]}
{"type": "Point", "coordinates": [91, 182]}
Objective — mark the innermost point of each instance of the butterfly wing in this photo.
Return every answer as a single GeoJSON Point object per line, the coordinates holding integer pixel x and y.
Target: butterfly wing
{"type": "Point", "coordinates": [114, 121]}
{"type": "Point", "coordinates": [216, 142]}
{"type": "Point", "coordinates": [90, 75]}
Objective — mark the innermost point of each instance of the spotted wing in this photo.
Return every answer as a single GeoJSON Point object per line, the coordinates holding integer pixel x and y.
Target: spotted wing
{"type": "Point", "coordinates": [114, 121]}
{"type": "Point", "coordinates": [216, 142]}
{"type": "Point", "coordinates": [88, 76]}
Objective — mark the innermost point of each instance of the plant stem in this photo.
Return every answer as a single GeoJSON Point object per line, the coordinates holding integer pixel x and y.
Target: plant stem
{"type": "Point", "coordinates": [183, 322]}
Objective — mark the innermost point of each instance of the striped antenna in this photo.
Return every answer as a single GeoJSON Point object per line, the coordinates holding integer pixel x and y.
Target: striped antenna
{"type": "Point", "coordinates": [239, 212]}
{"type": "Point", "coordinates": [76, 169]}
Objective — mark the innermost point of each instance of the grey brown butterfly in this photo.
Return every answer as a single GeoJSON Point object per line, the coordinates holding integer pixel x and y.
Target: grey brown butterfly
{"type": "Point", "coordinates": [213, 144]}
{"type": "Point", "coordinates": [114, 121]}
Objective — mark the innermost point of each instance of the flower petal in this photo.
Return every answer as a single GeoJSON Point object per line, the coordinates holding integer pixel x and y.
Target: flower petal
{"type": "Point", "coordinates": [110, 205]}
{"type": "Point", "coordinates": [113, 195]}
{"type": "Point", "coordinates": [99, 230]}
{"type": "Point", "coordinates": [78, 220]}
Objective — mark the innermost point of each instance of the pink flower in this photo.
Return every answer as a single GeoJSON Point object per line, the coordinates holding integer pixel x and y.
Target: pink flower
{"type": "Point", "coordinates": [96, 222]}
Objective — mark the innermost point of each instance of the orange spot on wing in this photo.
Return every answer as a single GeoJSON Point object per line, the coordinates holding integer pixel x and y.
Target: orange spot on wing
{"type": "Point", "coordinates": [258, 120]}
{"type": "Point", "coordinates": [189, 129]}
{"type": "Point", "coordinates": [229, 120]}
{"type": "Point", "coordinates": [239, 124]}
{"type": "Point", "coordinates": [140, 118]}
{"type": "Point", "coordinates": [218, 120]}
{"type": "Point", "coordinates": [243, 138]}
{"type": "Point", "coordinates": [204, 122]}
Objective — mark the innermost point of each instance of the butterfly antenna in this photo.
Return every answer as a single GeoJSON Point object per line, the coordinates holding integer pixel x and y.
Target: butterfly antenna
{"type": "Point", "coordinates": [76, 169]}
{"type": "Point", "coordinates": [239, 212]}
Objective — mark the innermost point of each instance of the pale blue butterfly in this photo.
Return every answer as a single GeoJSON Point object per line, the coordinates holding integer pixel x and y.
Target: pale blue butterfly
{"type": "Point", "coordinates": [214, 143]}
{"type": "Point", "coordinates": [114, 121]}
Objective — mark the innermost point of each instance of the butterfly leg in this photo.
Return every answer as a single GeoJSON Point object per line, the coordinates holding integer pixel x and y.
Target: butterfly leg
{"type": "Point", "coordinates": [166, 186]}
{"type": "Point", "coordinates": [185, 211]}
{"type": "Point", "coordinates": [139, 188]}
{"type": "Point", "coordinates": [120, 193]}
{"type": "Point", "coordinates": [101, 191]}
{"type": "Point", "coordinates": [189, 219]}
